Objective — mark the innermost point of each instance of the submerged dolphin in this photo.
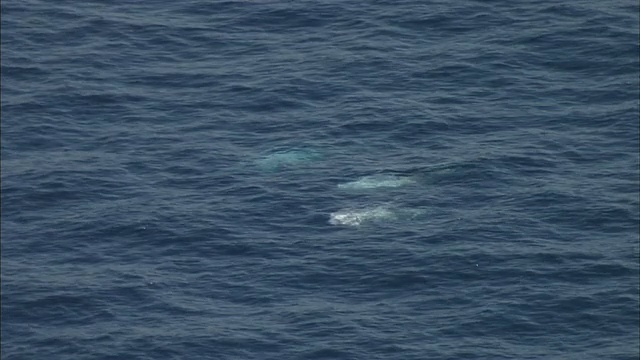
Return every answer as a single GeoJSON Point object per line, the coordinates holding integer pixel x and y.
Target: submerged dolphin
{"type": "Point", "coordinates": [377, 181]}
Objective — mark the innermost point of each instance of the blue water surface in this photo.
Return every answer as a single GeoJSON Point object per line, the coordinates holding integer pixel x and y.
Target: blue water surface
{"type": "Point", "coordinates": [173, 180]}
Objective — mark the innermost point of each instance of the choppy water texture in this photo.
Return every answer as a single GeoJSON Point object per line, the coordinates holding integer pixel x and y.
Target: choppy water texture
{"type": "Point", "coordinates": [170, 171]}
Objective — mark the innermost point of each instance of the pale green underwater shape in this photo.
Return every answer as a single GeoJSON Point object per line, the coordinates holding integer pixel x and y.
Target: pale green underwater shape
{"type": "Point", "coordinates": [290, 158]}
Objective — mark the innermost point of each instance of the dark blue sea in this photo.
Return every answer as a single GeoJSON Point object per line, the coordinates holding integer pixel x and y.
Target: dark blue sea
{"type": "Point", "coordinates": [275, 179]}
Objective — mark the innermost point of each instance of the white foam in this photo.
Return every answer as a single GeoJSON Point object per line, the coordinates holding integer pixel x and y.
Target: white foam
{"type": "Point", "coordinates": [355, 217]}
{"type": "Point", "coordinates": [373, 214]}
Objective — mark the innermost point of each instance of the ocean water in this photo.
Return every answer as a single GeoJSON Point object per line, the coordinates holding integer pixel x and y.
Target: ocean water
{"type": "Point", "coordinates": [173, 180]}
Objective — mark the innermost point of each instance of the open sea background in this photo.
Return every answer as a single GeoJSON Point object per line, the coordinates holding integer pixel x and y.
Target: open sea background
{"type": "Point", "coordinates": [173, 174]}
